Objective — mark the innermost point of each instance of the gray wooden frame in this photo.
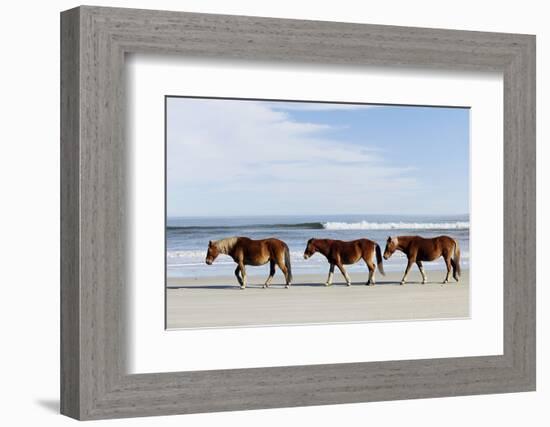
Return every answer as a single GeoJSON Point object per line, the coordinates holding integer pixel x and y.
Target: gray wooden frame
{"type": "Point", "coordinates": [94, 41]}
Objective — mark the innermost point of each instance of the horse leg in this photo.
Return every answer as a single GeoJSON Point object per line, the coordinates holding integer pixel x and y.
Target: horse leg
{"type": "Point", "coordinates": [243, 272]}
{"type": "Point", "coordinates": [282, 266]}
{"type": "Point", "coordinates": [330, 274]}
{"type": "Point", "coordinates": [271, 274]}
{"type": "Point", "coordinates": [344, 273]}
{"type": "Point", "coordinates": [237, 271]}
{"type": "Point", "coordinates": [371, 266]}
{"type": "Point", "coordinates": [448, 264]}
{"type": "Point", "coordinates": [409, 265]}
{"type": "Point", "coordinates": [421, 268]}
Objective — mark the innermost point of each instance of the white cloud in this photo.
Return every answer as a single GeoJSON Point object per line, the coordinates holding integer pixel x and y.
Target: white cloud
{"type": "Point", "coordinates": [247, 158]}
{"type": "Point", "coordinates": [319, 106]}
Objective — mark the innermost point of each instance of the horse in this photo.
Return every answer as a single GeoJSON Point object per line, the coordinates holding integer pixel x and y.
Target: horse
{"type": "Point", "coordinates": [420, 249]}
{"type": "Point", "coordinates": [245, 251]}
{"type": "Point", "coordinates": [338, 253]}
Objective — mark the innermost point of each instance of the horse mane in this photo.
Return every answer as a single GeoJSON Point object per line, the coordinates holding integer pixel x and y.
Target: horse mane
{"type": "Point", "coordinates": [321, 244]}
{"type": "Point", "coordinates": [225, 245]}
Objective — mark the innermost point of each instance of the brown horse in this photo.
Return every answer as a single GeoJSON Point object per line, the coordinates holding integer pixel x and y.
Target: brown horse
{"type": "Point", "coordinates": [419, 249]}
{"type": "Point", "coordinates": [339, 253]}
{"type": "Point", "coordinates": [245, 251]}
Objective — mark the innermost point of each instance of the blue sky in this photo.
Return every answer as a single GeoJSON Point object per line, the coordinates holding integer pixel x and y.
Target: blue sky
{"type": "Point", "coordinates": [238, 157]}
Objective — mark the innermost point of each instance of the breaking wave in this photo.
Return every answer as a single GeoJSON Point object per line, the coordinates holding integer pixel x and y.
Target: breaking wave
{"type": "Point", "coordinates": [333, 225]}
{"type": "Point", "coordinates": [365, 225]}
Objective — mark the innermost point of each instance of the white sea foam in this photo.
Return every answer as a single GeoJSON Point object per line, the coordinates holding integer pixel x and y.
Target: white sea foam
{"type": "Point", "coordinates": [365, 225]}
{"type": "Point", "coordinates": [186, 254]}
{"type": "Point", "coordinates": [194, 257]}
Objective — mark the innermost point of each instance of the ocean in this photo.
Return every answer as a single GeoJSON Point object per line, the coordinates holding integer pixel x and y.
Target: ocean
{"type": "Point", "coordinates": [187, 239]}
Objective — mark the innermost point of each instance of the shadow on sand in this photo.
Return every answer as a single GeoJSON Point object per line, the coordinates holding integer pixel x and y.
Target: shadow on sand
{"type": "Point", "coordinates": [235, 287]}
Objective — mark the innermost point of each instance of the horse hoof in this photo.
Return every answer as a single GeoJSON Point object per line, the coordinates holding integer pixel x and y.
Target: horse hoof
{"type": "Point", "coordinates": [348, 283]}
{"type": "Point", "coordinates": [242, 287]}
{"type": "Point", "coordinates": [402, 283]}
{"type": "Point", "coordinates": [328, 284]}
{"type": "Point", "coordinates": [287, 286]}
{"type": "Point", "coordinates": [424, 282]}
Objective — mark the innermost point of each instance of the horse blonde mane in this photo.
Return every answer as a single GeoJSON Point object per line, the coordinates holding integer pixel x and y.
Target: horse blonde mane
{"type": "Point", "coordinates": [225, 245]}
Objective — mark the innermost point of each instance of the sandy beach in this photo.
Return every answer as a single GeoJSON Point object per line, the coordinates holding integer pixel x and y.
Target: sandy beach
{"type": "Point", "coordinates": [219, 302]}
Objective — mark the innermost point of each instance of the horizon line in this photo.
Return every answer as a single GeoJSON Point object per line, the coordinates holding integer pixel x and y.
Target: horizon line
{"type": "Point", "coordinates": [298, 215]}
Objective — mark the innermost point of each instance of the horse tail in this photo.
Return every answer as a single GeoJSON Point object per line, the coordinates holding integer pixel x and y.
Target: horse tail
{"type": "Point", "coordinates": [379, 261]}
{"type": "Point", "coordinates": [287, 263]}
{"type": "Point", "coordinates": [456, 257]}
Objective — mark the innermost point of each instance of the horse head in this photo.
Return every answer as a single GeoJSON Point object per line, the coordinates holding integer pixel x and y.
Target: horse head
{"type": "Point", "coordinates": [391, 246]}
{"type": "Point", "coordinates": [310, 248]}
{"type": "Point", "coordinates": [213, 252]}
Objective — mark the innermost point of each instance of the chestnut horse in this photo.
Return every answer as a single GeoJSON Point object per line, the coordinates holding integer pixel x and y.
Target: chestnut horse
{"type": "Point", "coordinates": [245, 251]}
{"type": "Point", "coordinates": [419, 249]}
{"type": "Point", "coordinates": [339, 253]}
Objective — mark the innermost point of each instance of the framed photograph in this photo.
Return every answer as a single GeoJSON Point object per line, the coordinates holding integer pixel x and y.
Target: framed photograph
{"type": "Point", "coordinates": [287, 180]}
{"type": "Point", "coordinates": [262, 213]}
